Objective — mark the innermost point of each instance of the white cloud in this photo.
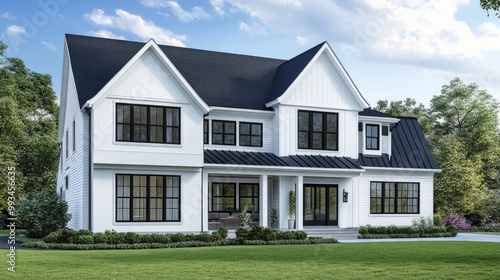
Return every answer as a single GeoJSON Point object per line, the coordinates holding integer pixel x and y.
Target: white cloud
{"type": "Point", "coordinates": [183, 15]}
{"type": "Point", "coordinates": [106, 34]}
{"type": "Point", "coordinates": [253, 29]}
{"type": "Point", "coordinates": [302, 40]}
{"type": "Point", "coordinates": [49, 46]}
{"type": "Point", "coordinates": [144, 29]}
{"type": "Point", "coordinates": [7, 15]}
{"type": "Point", "coordinates": [15, 30]}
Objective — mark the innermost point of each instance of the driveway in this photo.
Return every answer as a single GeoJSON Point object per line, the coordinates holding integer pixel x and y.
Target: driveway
{"type": "Point", "coordinates": [4, 244]}
{"type": "Point", "coordinates": [460, 237]}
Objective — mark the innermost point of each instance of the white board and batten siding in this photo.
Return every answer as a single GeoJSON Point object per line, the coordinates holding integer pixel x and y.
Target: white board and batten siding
{"type": "Point", "coordinates": [147, 82]}
{"type": "Point", "coordinates": [425, 178]}
{"type": "Point", "coordinates": [75, 166]}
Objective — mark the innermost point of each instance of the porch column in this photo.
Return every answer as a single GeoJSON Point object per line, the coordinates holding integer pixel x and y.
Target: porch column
{"type": "Point", "coordinates": [263, 201]}
{"type": "Point", "coordinates": [204, 201]}
{"type": "Point", "coordinates": [299, 195]}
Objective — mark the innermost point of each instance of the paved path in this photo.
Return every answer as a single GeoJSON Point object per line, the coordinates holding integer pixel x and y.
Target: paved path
{"type": "Point", "coordinates": [4, 244]}
{"type": "Point", "coordinates": [459, 237]}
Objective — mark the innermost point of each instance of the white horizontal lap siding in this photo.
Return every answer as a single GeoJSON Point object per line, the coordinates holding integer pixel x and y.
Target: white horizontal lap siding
{"type": "Point", "coordinates": [385, 144]}
{"type": "Point", "coordinates": [426, 197]}
{"type": "Point", "coordinates": [239, 116]}
{"type": "Point", "coordinates": [104, 201]}
{"type": "Point", "coordinates": [73, 165]}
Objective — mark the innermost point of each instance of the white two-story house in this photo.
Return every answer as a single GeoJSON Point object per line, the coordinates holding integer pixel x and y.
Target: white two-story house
{"type": "Point", "coordinates": [158, 138]}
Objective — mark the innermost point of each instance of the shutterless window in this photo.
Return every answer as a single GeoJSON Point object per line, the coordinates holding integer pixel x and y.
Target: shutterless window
{"type": "Point", "coordinates": [205, 131]}
{"type": "Point", "coordinates": [66, 182]}
{"type": "Point", "coordinates": [250, 134]}
{"type": "Point", "coordinates": [394, 198]}
{"type": "Point", "coordinates": [249, 196]}
{"type": "Point", "coordinates": [147, 198]}
{"type": "Point", "coordinates": [223, 197]}
{"type": "Point", "coordinates": [317, 130]}
{"type": "Point", "coordinates": [74, 135]}
{"type": "Point", "coordinates": [152, 124]}
{"type": "Point", "coordinates": [372, 137]}
{"type": "Point", "coordinates": [223, 133]}
{"type": "Point", "coordinates": [67, 143]}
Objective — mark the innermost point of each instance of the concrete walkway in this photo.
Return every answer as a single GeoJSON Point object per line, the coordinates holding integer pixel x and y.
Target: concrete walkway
{"type": "Point", "coordinates": [460, 237]}
{"type": "Point", "coordinates": [4, 244]}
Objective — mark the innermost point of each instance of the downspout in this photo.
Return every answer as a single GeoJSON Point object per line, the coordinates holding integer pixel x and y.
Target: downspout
{"type": "Point", "coordinates": [88, 109]}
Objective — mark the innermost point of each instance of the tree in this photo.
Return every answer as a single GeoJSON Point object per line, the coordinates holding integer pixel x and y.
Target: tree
{"type": "Point", "coordinates": [471, 114]}
{"type": "Point", "coordinates": [42, 213]}
{"type": "Point", "coordinates": [28, 127]}
{"type": "Point", "coordinates": [407, 108]}
{"type": "Point", "coordinates": [488, 5]}
{"type": "Point", "coordinates": [459, 186]}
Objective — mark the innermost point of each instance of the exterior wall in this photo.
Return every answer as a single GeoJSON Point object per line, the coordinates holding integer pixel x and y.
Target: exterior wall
{"type": "Point", "coordinates": [104, 200]}
{"type": "Point", "coordinates": [264, 117]}
{"type": "Point", "coordinates": [425, 178]}
{"type": "Point", "coordinates": [75, 165]}
{"type": "Point", "coordinates": [148, 82]}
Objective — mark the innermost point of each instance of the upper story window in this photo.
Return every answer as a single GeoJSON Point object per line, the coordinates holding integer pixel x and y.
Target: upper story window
{"type": "Point", "coordinates": [250, 134]}
{"type": "Point", "coordinates": [223, 132]}
{"type": "Point", "coordinates": [372, 137]}
{"type": "Point", "coordinates": [67, 143]}
{"type": "Point", "coordinates": [153, 124]}
{"type": "Point", "coordinates": [318, 130]}
{"type": "Point", "coordinates": [205, 131]}
{"type": "Point", "coordinates": [74, 135]}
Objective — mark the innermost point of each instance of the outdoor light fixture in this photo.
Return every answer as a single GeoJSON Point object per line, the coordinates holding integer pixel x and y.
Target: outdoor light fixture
{"type": "Point", "coordinates": [345, 196]}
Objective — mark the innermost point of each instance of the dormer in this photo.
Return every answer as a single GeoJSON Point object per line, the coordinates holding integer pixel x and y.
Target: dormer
{"type": "Point", "coordinates": [374, 132]}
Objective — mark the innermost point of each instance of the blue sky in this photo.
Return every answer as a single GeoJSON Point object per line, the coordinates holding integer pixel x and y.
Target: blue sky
{"type": "Point", "coordinates": [392, 49]}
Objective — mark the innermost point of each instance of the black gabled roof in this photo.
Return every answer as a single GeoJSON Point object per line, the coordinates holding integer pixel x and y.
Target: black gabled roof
{"type": "Point", "coordinates": [409, 148]}
{"type": "Point", "coordinates": [369, 112]}
{"type": "Point", "coordinates": [290, 70]}
{"type": "Point", "coordinates": [270, 159]}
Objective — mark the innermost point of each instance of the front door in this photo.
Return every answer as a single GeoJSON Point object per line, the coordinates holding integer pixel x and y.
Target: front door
{"type": "Point", "coordinates": [320, 205]}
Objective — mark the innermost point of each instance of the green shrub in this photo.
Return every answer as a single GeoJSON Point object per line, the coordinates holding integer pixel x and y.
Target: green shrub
{"type": "Point", "coordinates": [100, 237]}
{"type": "Point", "coordinates": [216, 236]}
{"type": "Point", "coordinates": [73, 240]}
{"type": "Point", "coordinates": [300, 235]}
{"type": "Point", "coordinates": [255, 233]}
{"type": "Point", "coordinates": [223, 232]}
{"type": "Point", "coordinates": [204, 237]}
{"type": "Point", "coordinates": [190, 237]}
{"type": "Point", "coordinates": [85, 239]}
{"type": "Point", "coordinates": [452, 229]}
{"type": "Point", "coordinates": [269, 234]}
{"type": "Point", "coordinates": [66, 235]}
{"type": "Point", "coordinates": [131, 238]}
{"type": "Point", "coordinates": [84, 232]}
{"type": "Point", "coordinates": [392, 229]}
{"type": "Point", "coordinates": [284, 235]}
{"type": "Point", "coordinates": [314, 237]}
{"type": "Point", "coordinates": [42, 212]}
{"type": "Point", "coordinates": [53, 237]}
{"type": "Point", "coordinates": [113, 237]}
{"type": "Point", "coordinates": [178, 237]}
{"type": "Point", "coordinates": [242, 234]}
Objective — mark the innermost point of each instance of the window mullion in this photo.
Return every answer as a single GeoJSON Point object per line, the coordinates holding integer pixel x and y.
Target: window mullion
{"type": "Point", "coordinates": [132, 124]}
{"type": "Point", "coordinates": [323, 136]}
{"type": "Point", "coordinates": [164, 202]}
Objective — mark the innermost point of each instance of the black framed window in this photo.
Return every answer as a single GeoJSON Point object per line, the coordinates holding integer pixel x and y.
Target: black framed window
{"type": "Point", "coordinates": [249, 196]}
{"type": "Point", "coordinates": [74, 135]}
{"type": "Point", "coordinates": [66, 182]}
{"type": "Point", "coordinates": [147, 198]}
{"type": "Point", "coordinates": [394, 198]}
{"type": "Point", "coordinates": [67, 144]}
{"type": "Point", "coordinates": [317, 130]}
{"type": "Point", "coordinates": [205, 131]}
{"type": "Point", "coordinates": [372, 136]}
{"type": "Point", "coordinates": [152, 124]}
{"type": "Point", "coordinates": [223, 132]}
{"type": "Point", "coordinates": [250, 134]}
{"type": "Point", "coordinates": [223, 197]}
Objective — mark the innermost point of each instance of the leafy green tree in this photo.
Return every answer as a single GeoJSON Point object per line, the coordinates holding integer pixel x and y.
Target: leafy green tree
{"type": "Point", "coordinates": [471, 114]}
{"type": "Point", "coordinates": [459, 186]}
{"type": "Point", "coordinates": [42, 213]}
{"type": "Point", "coordinates": [491, 5]}
{"type": "Point", "coordinates": [407, 108]}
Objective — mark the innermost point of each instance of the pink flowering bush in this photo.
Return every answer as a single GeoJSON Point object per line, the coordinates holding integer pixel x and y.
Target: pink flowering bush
{"type": "Point", "coordinates": [456, 221]}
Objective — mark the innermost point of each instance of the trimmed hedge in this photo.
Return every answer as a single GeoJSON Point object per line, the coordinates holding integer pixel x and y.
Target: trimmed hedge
{"type": "Point", "coordinates": [487, 228]}
{"type": "Point", "coordinates": [291, 241]}
{"type": "Point", "coordinates": [368, 232]}
{"type": "Point", "coordinates": [258, 233]}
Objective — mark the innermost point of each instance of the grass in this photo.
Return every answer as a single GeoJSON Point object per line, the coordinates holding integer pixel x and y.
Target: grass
{"type": "Point", "coordinates": [494, 233]}
{"type": "Point", "coordinates": [398, 260]}
{"type": "Point", "coordinates": [7, 231]}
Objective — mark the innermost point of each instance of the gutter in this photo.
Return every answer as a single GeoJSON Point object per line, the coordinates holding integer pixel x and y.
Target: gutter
{"type": "Point", "coordinates": [89, 110]}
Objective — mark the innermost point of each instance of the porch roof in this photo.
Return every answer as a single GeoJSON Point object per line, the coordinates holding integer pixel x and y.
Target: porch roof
{"type": "Point", "coordinates": [269, 159]}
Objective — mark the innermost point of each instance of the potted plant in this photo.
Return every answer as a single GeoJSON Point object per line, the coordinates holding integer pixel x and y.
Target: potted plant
{"type": "Point", "coordinates": [245, 217]}
{"type": "Point", "coordinates": [291, 209]}
{"type": "Point", "coordinates": [274, 217]}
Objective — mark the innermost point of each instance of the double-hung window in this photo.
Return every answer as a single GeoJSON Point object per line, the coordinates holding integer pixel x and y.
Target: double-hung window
{"type": "Point", "coordinates": [372, 136]}
{"type": "Point", "coordinates": [394, 198]}
{"type": "Point", "coordinates": [152, 124]}
{"type": "Point", "coordinates": [250, 134]}
{"type": "Point", "coordinates": [148, 198]}
{"type": "Point", "coordinates": [317, 130]}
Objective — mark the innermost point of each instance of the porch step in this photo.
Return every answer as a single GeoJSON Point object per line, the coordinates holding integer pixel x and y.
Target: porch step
{"type": "Point", "coordinates": [335, 232]}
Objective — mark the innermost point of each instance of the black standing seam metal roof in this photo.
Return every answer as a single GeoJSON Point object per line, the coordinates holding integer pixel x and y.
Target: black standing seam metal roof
{"type": "Point", "coordinates": [220, 79]}
{"type": "Point", "coordinates": [409, 148]}
{"type": "Point", "coordinates": [269, 159]}
{"type": "Point", "coordinates": [369, 112]}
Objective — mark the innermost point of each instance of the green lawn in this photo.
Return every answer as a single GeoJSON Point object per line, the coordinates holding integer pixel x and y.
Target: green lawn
{"type": "Point", "coordinates": [7, 231]}
{"type": "Point", "coordinates": [398, 260]}
{"type": "Point", "coordinates": [494, 233]}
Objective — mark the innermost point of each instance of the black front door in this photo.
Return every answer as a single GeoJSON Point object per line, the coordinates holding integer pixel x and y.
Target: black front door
{"type": "Point", "coordinates": [320, 205]}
